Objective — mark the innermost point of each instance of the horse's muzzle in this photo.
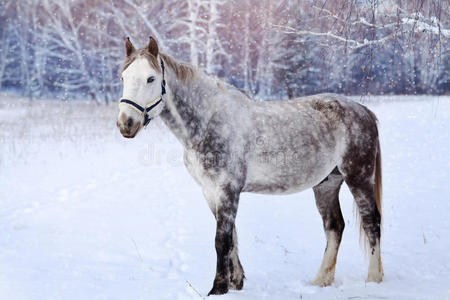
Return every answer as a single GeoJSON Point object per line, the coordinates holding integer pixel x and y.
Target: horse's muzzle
{"type": "Point", "coordinates": [128, 127]}
{"type": "Point", "coordinates": [127, 134]}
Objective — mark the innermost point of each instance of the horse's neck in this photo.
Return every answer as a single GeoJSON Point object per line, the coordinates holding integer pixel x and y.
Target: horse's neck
{"type": "Point", "coordinates": [189, 106]}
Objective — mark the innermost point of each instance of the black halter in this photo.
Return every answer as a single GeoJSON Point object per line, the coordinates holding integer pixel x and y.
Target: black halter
{"type": "Point", "coordinates": [145, 110]}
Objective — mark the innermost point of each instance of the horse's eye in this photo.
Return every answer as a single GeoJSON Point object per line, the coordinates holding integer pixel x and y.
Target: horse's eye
{"type": "Point", "coordinates": [121, 78]}
{"type": "Point", "coordinates": [150, 79]}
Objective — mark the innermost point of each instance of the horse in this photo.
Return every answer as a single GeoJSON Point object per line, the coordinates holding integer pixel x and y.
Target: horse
{"type": "Point", "coordinates": [234, 144]}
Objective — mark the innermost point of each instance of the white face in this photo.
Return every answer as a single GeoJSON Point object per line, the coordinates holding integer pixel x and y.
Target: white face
{"type": "Point", "coordinates": [142, 85]}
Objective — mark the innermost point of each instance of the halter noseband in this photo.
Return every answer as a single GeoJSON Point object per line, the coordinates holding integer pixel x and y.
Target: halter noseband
{"type": "Point", "coordinates": [145, 110]}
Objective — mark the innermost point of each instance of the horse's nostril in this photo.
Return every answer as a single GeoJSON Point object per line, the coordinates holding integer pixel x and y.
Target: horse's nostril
{"type": "Point", "coordinates": [130, 122]}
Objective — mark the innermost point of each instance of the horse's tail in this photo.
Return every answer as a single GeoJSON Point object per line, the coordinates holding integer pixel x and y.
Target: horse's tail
{"type": "Point", "coordinates": [378, 182]}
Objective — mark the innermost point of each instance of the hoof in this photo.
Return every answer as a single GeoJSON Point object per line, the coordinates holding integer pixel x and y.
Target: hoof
{"type": "Point", "coordinates": [323, 281]}
{"type": "Point", "coordinates": [375, 277]}
{"type": "Point", "coordinates": [219, 288]}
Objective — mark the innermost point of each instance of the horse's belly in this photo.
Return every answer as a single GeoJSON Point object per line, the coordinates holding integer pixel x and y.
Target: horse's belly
{"type": "Point", "coordinates": [281, 174]}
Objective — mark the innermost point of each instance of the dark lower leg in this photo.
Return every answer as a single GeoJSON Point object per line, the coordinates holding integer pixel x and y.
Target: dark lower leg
{"type": "Point", "coordinates": [371, 226]}
{"type": "Point", "coordinates": [224, 241]}
{"type": "Point", "coordinates": [224, 246]}
{"type": "Point", "coordinates": [370, 220]}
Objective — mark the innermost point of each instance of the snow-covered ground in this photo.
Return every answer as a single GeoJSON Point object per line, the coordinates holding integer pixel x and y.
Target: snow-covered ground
{"type": "Point", "coordinates": [87, 214]}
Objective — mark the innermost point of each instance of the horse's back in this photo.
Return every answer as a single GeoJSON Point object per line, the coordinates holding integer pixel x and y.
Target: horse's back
{"type": "Point", "coordinates": [339, 113]}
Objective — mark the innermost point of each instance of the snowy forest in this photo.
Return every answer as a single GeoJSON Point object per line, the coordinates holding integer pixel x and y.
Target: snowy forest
{"type": "Point", "coordinates": [269, 49]}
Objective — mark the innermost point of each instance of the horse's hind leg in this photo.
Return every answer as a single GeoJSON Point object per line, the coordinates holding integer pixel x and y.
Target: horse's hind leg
{"type": "Point", "coordinates": [370, 219]}
{"type": "Point", "coordinates": [327, 201]}
{"type": "Point", "coordinates": [362, 174]}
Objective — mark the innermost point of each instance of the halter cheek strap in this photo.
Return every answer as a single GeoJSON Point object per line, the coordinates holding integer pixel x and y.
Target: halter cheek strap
{"type": "Point", "coordinates": [145, 110]}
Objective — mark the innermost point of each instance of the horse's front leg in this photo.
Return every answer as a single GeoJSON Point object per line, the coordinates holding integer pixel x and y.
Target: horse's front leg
{"type": "Point", "coordinates": [224, 205]}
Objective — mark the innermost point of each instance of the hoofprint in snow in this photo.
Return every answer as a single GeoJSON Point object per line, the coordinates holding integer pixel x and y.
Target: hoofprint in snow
{"type": "Point", "coordinates": [86, 214]}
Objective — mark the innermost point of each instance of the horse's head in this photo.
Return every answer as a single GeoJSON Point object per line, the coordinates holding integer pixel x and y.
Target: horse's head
{"type": "Point", "coordinates": [143, 82]}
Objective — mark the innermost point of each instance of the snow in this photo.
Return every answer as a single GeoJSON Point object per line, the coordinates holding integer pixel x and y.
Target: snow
{"type": "Point", "coordinates": [87, 214]}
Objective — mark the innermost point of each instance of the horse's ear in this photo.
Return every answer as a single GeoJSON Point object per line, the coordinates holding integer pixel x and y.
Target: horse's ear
{"type": "Point", "coordinates": [129, 48]}
{"type": "Point", "coordinates": [153, 47]}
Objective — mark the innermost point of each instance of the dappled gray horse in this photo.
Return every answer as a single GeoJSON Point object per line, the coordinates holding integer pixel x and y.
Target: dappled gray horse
{"type": "Point", "coordinates": [233, 144]}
